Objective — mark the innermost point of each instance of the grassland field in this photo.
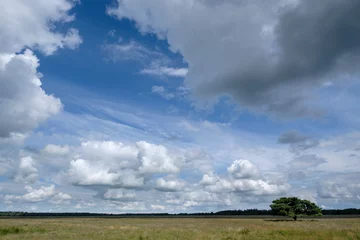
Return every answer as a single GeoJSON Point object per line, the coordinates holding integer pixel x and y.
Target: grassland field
{"type": "Point", "coordinates": [178, 228]}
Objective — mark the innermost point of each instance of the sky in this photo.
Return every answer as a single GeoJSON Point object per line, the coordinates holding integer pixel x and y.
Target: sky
{"type": "Point", "coordinates": [127, 106]}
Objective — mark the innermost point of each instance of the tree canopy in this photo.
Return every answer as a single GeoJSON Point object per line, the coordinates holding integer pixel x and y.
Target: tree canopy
{"type": "Point", "coordinates": [294, 207]}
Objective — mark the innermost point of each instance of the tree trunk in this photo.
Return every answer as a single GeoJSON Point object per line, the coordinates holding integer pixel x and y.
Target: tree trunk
{"type": "Point", "coordinates": [295, 218]}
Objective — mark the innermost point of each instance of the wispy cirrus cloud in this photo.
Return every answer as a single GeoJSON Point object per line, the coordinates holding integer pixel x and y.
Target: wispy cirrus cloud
{"type": "Point", "coordinates": [154, 62]}
{"type": "Point", "coordinates": [165, 71]}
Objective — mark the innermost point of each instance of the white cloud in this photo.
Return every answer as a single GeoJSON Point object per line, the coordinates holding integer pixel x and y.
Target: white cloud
{"type": "Point", "coordinates": [41, 194]}
{"type": "Point", "coordinates": [119, 195]}
{"type": "Point", "coordinates": [209, 179]}
{"type": "Point", "coordinates": [85, 173]}
{"type": "Point", "coordinates": [32, 195]}
{"type": "Point", "coordinates": [28, 25]}
{"type": "Point", "coordinates": [27, 172]}
{"type": "Point", "coordinates": [155, 159]}
{"type": "Point", "coordinates": [38, 195]}
{"type": "Point", "coordinates": [158, 207]}
{"type": "Point", "coordinates": [14, 139]}
{"type": "Point", "coordinates": [134, 51]}
{"type": "Point", "coordinates": [131, 206]}
{"type": "Point", "coordinates": [249, 187]}
{"type": "Point", "coordinates": [61, 198]}
{"type": "Point", "coordinates": [24, 104]}
{"type": "Point", "coordinates": [168, 186]}
{"type": "Point", "coordinates": [242, 169]}
{"type": "Point", "coordinates": [161, 91]}
{"type": "Point", "coordinates": [56, 150]}
{"type": "Point", "coordinates": [245, 178]}
{"type": "Point", "coordinates": [165, 71]}
{"type": "Point", "coordinates": [114, 154]}
{"type": "Point", "coordinates": [260, 187]}
{"type": "Point", "coordinates": [32, 24]}
{"type": "Point", "coordinates": [201, 197]}
{"type": "Point", "coordinates": [154, 62]}
{"type": "Point", "coordinates": [106, 163]}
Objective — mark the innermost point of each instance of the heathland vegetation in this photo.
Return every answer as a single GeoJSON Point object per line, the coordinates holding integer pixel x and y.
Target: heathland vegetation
{"type": "Point", "coordinates": [163, 228]}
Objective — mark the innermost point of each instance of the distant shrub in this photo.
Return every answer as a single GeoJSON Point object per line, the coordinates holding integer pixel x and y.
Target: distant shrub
{"type": "Point", "coordinates": [245, 231]}
{"type": "Point", "coordinates": [10, 230]}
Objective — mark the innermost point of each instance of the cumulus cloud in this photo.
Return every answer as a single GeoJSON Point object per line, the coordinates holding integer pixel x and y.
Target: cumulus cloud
{"type": "Point", "coordinates": [27, 172]}
{"type": "Point", "coordinates": [158, 207]}
{"type": "Point", "coordinates": [85, 173]}
{"type": "Point", "coordinates": [24, 104]}
{"type": "Point", "coordinates": [56, 150]}
{"type": "Point", "coordinates": [28, 25]}
{"type": "Point", "coordinates": [114, 154]}
{"type": "Point", "coordinates": [245, 178]}
{"type": "Point", "coordinates": [199, 198]}
{"type": "Point", "coordinates": [155, 159]}
{"type": "Point", "coordinates": [38, 195]}
{"type": "Point", "coordinates": [33, 25]}
{"type": "Point", "coordinates": [61, 198]}
{"type": "Point", "coordinates": [275, 67]}
{"type": "Point", "coordinates": [209, 179]}
{"type": "Point", "coordinates": [249, 186]}
{"type": "Point", "coordinates": [41, 194]}
{"type": "Point", "coordinates": [168, 186]}
{"type": "Point", "coordinates": [14, 139]}
{"type": "Point", "coordinates": [119, 195]}
{"type": "Point", "coordinates": [243, 169]}
{"type": "Point", "coordinates": [115, 164]}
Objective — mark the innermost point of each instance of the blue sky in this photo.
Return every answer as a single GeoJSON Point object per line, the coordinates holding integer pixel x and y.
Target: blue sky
{"type": "Point", "coordinates": [177, 106]}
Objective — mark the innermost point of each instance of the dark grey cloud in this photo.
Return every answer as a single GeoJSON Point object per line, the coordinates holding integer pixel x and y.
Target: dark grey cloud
{"type": "Point", "coordinates": [305, 162]}
{"type": "Point", "coordinates": [292, 137]}
{"type": "Point", "coordinates": [315, 35]}
{"type": "Point", "coordinates": [313, 40]}
{"type": "Point", "coordinates": [297, 141]}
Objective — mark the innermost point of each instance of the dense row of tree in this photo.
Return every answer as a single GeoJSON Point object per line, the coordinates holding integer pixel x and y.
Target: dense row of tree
{"type": "Point", "coordinates": [248, 212]}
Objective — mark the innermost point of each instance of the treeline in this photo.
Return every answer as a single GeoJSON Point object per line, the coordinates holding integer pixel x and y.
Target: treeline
{"type": "Point", "coordinates": [248, 212]}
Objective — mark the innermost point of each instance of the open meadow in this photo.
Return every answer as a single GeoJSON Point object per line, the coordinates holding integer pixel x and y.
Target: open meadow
{"type": "Point", "coordinates": [177, 228]}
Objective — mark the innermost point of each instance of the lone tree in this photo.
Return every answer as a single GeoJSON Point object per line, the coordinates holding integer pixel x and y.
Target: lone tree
{"type": "Point", "coordinates": [294, 207]}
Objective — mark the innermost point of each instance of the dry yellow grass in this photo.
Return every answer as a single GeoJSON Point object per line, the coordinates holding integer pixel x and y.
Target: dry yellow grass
{"type": "Point", "coordinates": [177, 228]}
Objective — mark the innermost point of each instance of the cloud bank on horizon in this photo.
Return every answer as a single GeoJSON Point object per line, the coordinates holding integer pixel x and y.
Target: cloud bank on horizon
{"type": "Point", "coordinates": [190, 106]}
